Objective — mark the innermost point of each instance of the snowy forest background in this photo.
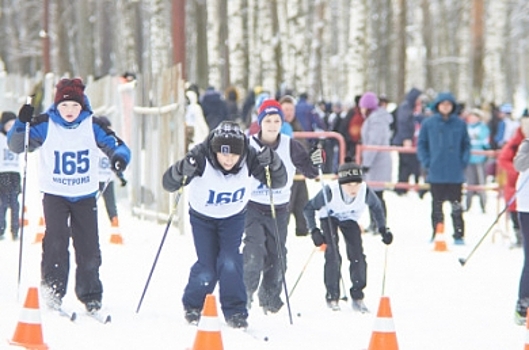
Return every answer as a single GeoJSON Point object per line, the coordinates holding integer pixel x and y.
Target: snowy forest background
{"type": "Point", "coordinates": [332, 49]}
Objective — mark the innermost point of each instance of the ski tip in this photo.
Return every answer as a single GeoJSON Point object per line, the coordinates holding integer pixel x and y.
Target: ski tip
{"type": "Point", "coordinates": [73, 317]}
{"type": "Point", "coordinates": [108, 319]}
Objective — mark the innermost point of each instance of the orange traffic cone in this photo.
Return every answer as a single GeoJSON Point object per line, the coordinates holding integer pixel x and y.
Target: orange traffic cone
{"type": "Point", "coordinates": [208, 335]}
{"type": "Point", "coordinates": [26, 220]}
{"type": "Point", "coordinates": [384, 336]}
{"type": "Point", "coordinates": [40, 230]}
{"type": "Point", "coordinates": [115, 234]}
{"type": "Point", "coordinates": [28, 333]}
{"type": "Point", "coordinates": [527, 330]}
{"type": "Point", "coordinates": [439, 240]}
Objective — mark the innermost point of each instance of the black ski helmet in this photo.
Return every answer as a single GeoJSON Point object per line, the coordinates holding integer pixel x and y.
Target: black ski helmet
{"type": "Point", "coordinates": [228, 138]}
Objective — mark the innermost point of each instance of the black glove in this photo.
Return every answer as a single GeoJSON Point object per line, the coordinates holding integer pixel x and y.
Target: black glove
{"type": "Point", "coordinates": [365, 169]}
{"type": "Point", "coordinates": [317, 156]}
{"type": "Point", "coordinates": [387, 236]}
{"type": "Point", "coordinates": [317, 237]}
{"type": "Point", "coordinates": [26, 113]}
{"type": "Point", "coordinates": [189, 167]}
{"type": "Point", "coordinates": [118, 163]}
{"type": "Point", "coordinates": [266, 156]}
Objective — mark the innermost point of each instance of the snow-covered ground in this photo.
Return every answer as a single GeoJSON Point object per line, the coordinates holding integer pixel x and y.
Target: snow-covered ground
{"type": "Point", "coordinates": [436, 303]}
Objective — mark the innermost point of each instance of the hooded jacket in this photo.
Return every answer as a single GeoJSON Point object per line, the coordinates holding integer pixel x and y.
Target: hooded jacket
{"type": "Point", "coordinates": [443, 147]}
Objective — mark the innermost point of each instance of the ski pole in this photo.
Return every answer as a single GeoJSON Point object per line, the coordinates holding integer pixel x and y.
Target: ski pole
{"type": "Point", "coordinates": [119, 174]}
{"type": "Point", "coordinates": [24, 180]}
{"type": "Point", "coordinates": [278, 245]}
{"type": "Point", "coordinates": [463, 261]}
{"type": "Point", "coordinates": [169, 221]}
{"type": "Point", "coordinates": [344, 296]}
{"type": "Point", "coordinates": [329, 223]}
{"type": "Point", "coordinates": [384, 271]}
{"type": "Point", "coordinates": [303, 270]}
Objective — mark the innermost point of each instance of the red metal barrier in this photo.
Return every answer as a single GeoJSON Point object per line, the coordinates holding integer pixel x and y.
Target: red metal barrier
{"type": "Point", "coordinates": [323, 135]}
{"type": "Point", "coordinates": [405, 185]}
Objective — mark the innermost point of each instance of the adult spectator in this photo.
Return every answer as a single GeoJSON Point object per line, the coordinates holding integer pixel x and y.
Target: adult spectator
{"type": "Point", "coordinates": [444, 150]}
{"type": "Point", "coordinates": [214, 107]}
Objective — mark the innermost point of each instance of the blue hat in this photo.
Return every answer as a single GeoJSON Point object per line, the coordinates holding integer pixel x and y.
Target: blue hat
{"type": "Point", "coordinates": [270, 107]}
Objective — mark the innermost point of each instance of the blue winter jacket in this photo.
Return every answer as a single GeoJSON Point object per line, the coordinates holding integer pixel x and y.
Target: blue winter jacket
{"type": "Point", "coordinates": [443, 147]}
{"type": "Point", "coordinates": [105, 138]}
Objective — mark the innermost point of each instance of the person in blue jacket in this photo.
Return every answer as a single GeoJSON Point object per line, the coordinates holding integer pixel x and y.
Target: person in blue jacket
{"type": "Point", "coordinates": [68, 136]}
{"type": "Point", "coordinates": [443, 149]}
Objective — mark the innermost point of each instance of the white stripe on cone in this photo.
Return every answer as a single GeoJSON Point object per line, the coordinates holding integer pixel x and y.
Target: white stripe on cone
{"type": "Point", "coordinates": [384, 325]}
{"type": "Point", "coordinates": [209, 324]}
{"type": "Point", "coordinates": [30, 316]}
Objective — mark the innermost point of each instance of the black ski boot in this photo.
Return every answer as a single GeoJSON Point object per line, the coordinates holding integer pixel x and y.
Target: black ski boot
{"type": "Point", "coordinates": [237, 321]}
{"type": "Point", "coordinates": [93, 306]}
{"type": "Point", "coordinates": [192, 316]}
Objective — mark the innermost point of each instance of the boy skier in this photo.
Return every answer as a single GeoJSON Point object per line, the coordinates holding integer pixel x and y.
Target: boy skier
{"type": "Point", "coordinates": [69, 135]}
{"type": "Point", "coordinates": [220, 172]}
{"type": "Point", "coordinates": [260, 252]}
{"type": "Point", "coordinates": [340, 204]}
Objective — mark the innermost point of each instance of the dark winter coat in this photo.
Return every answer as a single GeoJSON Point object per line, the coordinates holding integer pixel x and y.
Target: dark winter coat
{"type": "Point", "coordinates": [405, 124]}
{"type": "Point", "coordinates": [444, 145]}
{"type": "Point", "coordinates": [173, 178]}
{"type": "Point", "coordinates": [214, 107]}
{"type": "Point", "coordinates": [307, 116]}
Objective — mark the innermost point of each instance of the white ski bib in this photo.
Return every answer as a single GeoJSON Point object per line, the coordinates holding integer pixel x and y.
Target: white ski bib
{"type": "Point", "coordinates": [68, 163]}
{"type": "Point", "coordinates": [341, 210]}
{"type": "Point", "coordinates": [220, 196]}
{"type": "Point", "coordinates": [522, 197]}
{"type": "Point", "coordinates": [105, 172]}
{"type": "Point", "coordinates": [281, 195]}
{"type": "Point", "coordinates": [9, 161]}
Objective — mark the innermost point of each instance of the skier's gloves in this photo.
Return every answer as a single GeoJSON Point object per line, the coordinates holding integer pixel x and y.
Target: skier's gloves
{"type": "Point", "coordinates": [387, 236]}
{"type": "Point", "coordinates": [317, 237]}
{"type": "Point", "coordinates": [189, 167]}
{"type": "Point", "coordinates": [317, 156]}
{"type": "Point", "coordinates": [26, 113]}
{"type": "Point", "coordinates": [118, 163]}
{"type": "Point", "coordinates": [267, 157]}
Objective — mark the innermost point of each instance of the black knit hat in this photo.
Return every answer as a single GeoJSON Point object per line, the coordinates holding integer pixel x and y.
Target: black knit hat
{"type": "Point", "coordinates": [7, 116]}
{"type": "Point", "coordinates": [228, 138]}
{"type": "Point", "coordinates": [349, 172]}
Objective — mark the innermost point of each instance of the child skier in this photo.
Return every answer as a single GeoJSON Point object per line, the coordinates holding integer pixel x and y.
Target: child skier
{"type": "Point", "coordinates": [9, 179]}
{"type": "Point", "coordinates": [220, 172]}
{"type": "Point", "coordinates": [69, 135]}
{"type": "Point", "coordinates": [260, 252]}
{"type": "Point", "coordinates": [106, 182]}
{"type": "Point", "coordinates": [341, 205]}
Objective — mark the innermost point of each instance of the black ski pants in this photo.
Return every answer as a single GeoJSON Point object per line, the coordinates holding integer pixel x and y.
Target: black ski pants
{"type": "Point", "coordinates": [453, 194]}
{"type": "Point", "coordinates": [261, 256]}
{"type": "Point", "coordinates": [299, 196]}
{"type": "Point", "coordinates": [333, 260]}
{"type": "Point", "coordinates": [78, 220]}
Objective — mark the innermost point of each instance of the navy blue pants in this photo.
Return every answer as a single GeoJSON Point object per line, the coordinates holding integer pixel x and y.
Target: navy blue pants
{"type": "Point", "coordinates": [217, 243]}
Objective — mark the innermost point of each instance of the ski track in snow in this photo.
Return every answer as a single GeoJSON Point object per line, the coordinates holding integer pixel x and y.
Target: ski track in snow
{"type": "Point", "coordinates": [436, 303]}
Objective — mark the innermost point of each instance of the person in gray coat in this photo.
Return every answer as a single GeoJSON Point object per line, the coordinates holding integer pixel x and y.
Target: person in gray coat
{"type": "Point", "coordinates": [376, 131]}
